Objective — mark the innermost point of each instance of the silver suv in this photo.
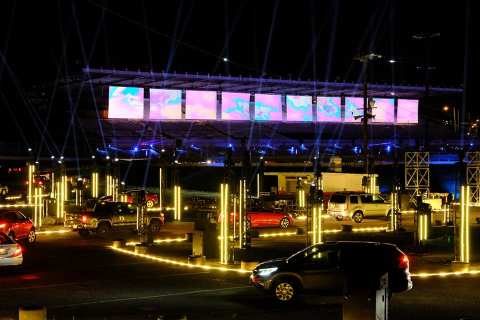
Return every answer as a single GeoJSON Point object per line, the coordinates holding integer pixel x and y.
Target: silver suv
{"type": "Point", "coordinates": [357, 206]}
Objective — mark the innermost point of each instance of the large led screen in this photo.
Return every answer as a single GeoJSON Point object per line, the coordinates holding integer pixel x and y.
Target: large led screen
{"type": "Point", "coordinates": [299, 108]}
{"type": "Point", "coordinates": [329, 109]}
{"type": "Point", "coordinates": [235, 106]}
{"type": "Point", "coordinates": [383, 110]}
{"type": "Point", "coordinates": [125, 103]}
{"type": "Point", "coordinates": [201, 105]}
{"type": "Point", "coordinates": [407, 111]}
{"type": "Point", "coordinates": [268, 107]}
{"type": "Point", "coordinates": [165, 104]}
{"type": "Point", "coordinates": [353, 108]}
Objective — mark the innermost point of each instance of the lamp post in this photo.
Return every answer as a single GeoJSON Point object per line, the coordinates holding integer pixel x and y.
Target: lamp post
{"type": "Point", "coordinates": [455, 115]}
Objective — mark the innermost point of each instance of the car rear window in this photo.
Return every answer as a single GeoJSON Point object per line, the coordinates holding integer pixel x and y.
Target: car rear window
{"type": "Point", "coordinates": [338, 198]}
{"type": "Point", "coordinates": [8, 215]}
{"type": "Point", "coordinates": [4, 239]}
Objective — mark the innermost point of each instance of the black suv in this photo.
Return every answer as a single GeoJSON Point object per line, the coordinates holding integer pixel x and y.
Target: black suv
{"type": "Point", "coordinates": [334, 268]}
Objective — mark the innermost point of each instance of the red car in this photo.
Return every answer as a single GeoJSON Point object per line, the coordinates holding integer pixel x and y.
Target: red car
{"type": "Point", "coordinates": [17, 226]}
{"type": "Point", "coordinates": [151, 199]}
{"type": "Point", "coordinates": [260, 219]}
{"type": "Point", "coordinates": [264, 218]}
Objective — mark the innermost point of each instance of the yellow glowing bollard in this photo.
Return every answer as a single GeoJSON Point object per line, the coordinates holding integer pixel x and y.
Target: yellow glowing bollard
{"type": "Point", "coordinates": [317, 224]}
{"type": "Point", "coordinates": [465, 224]}
{"type": "Point", "coordinates": [224, 221]}
{"type": "Point", "coordinates": [177, 202]}
{"type": "Point", "coordinates": [422, 227]}
{"type": "Point", "coordinates": [58, 194]}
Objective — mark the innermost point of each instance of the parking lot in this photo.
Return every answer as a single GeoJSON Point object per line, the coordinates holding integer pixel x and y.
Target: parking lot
{"type": "Point", "coordinates": [85, 278]}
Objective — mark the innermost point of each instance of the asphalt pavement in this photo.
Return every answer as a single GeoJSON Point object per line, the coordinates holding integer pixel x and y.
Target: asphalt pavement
{"type": "Point", "coordinates": [78, 278]}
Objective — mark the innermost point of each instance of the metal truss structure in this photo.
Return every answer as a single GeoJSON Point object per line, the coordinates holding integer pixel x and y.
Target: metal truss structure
{"type": "Point", "coordinates": [417, 174]}
{"type": "Point", "coordinates": [473, 175]}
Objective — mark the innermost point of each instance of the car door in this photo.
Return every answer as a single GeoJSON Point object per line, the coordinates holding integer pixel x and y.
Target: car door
{"type": "Point", "coordinates": [130, 214]}
{"type": "Point", "coordinates": [24, 225]}
{"type": "Point", "coordinates": [11, 218]}
{"type": "Point", "coordinates": [320, 270]}
{"type": "Point", "coordinates": [381, 207]}
{"type": "Point", "coordinates": [367, 205]}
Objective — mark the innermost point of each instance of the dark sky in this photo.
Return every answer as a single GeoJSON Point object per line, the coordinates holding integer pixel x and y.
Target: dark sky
{"type": "Point", "coordinates": [41, 41]}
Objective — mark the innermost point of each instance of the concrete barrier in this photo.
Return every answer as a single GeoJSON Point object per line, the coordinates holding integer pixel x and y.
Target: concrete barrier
{"type": "Point", "coordinates": [197, 260]}
{"type": "Point", "coordinates": [32, 313]}
{"type": "Point", "coordinates": [141, 248]}
{"type": "Point", "coordinates": [118, 243]}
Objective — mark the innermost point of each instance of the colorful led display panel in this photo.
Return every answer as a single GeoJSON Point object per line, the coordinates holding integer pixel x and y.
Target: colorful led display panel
{"type": "Point", "coordinates": [299, 108]}
{"type": "Point", "coordinates": [125, 103]}
{"type": "Point", "coordinates": [407, 111]}
{"type": "Point", "coordinates": [268, 107]}
{"type": "Point", "coordinates": [235, 106]}
{"type": "Point", "coordinates": [201, 105]}
{"type": "Point", "coordinates": [384, 110]}
{"type": "Point", "coordinates": [329, 109]}
{"type": "Point", "coordinates": [353, 108]}
{"type": "Point", "coordinates": [165, 104]}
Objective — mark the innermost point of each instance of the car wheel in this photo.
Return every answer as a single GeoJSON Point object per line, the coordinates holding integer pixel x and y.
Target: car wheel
{"type": "Point", "coordinates": [103, 229]}
{"type": "Point", "coordinates": [357, 216]}
{"type": "Point", "coordinates": [284, 223]}
{"type": "Point", "coordinates": [150, 204]}
{"type": "Point", "coordinates": [32, 236]}
{"type": "Point", "coordinates": [285, 291]}
{"type": "Point", "coordinates": [84, 233]}
{"type": "Point", "coordinates": [154, 226]}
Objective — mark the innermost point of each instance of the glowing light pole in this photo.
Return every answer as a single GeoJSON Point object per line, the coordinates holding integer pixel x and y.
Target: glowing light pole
{"type": "Point", "coordinates": [317, 223]}
{"type": "Point", "coordinates": [177, 202]}
{"type": "Point", "coordinates": [224, 224]}
{"type": "Point", "coordinates": [160, 189]}
{"type": "Point", "coordinates": [38, 207]}
{"type": "Point", "coordinates": [394, 209]}
{"type": "Point", "coordinates": [465, 225]}
{"type": "Point", "coordinates": [94, 184]}
{"type": "Point", "coordinates": [31, 172]}
{"type": "Point", "coordinates": [242, 208]}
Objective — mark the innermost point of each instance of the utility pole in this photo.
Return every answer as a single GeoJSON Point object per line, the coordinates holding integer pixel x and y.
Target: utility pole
{"type": "Point", "coordinates": [367, 112]}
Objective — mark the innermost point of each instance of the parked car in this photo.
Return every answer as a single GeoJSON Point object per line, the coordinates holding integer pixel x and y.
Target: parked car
{"type": "Point", "coordinates": [262, 218]}
{"type": "Point", "coordinates": [17, 226]}
{"type": "Point", "coordinates": [266, 218]}
{"type": "Point", "coordinates": [357, 206]}
{"type": "Point", "coordinates": [108, 216]}
{"type": "Point", "coordinates": [334, 268]}
{"type": "Point", "coordinates": [10, 251]}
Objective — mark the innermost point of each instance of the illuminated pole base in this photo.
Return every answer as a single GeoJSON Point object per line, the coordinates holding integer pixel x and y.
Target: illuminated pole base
{"type": "Point", "coordinates": [224, 237]}
{"type": "Point", "coordinates": [463, 235]}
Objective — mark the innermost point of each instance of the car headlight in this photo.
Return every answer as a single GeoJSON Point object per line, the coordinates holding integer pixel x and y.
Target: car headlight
{"type": "Point", "coordinates": [266, 271]}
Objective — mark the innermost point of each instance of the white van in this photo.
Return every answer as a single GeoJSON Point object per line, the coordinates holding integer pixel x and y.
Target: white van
{"type": "Point", "coordinates": [357, 206]}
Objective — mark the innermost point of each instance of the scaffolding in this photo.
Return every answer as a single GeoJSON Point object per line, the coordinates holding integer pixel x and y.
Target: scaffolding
{"type": "Point", "coordinates": [417, 174]}
{"type": "Point", "coordinates": [473, 175]}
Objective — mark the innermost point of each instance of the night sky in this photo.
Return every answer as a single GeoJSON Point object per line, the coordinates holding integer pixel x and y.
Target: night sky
{"type": "Point", "coordinates": [44, 41]}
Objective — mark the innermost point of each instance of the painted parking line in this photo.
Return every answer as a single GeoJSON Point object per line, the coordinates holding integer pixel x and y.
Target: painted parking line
{"type": "Point", "coordinates": [129, 299]}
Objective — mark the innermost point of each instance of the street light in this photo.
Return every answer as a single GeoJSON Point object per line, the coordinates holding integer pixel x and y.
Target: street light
{"type": "Point", "coordinates": [456, 116]}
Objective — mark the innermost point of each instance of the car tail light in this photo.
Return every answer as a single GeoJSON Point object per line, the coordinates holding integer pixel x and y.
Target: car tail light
{"type": "Point", "coordinates": [404, 262]}
{"type": "Point", "coordinates": [2, 225]}
{"type": "Point", "coordinates": [18, 251]}
{"type": "Point", "coordinates": [84, 219]}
